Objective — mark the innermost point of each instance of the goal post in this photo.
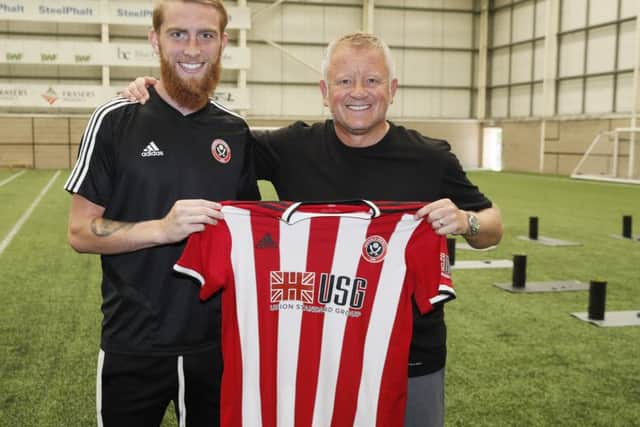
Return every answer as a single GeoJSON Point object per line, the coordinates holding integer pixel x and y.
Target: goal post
{"type": "Point", "coordinates": [611, 156]}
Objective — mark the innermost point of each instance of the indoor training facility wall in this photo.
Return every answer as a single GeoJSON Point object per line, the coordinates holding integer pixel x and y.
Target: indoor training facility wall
{"type": "Point", "coordinates": [45, 142]}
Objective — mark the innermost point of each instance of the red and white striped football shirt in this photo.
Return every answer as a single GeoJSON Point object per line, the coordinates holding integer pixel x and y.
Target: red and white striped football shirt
{"type": "Point", "coordinates": [317, 308]}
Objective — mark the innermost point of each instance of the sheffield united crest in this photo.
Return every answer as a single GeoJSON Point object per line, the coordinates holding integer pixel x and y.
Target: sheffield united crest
{"type": "Point", "coordinates": [374, 249]}
{"type": "Point", "coordinates": [221, 151]}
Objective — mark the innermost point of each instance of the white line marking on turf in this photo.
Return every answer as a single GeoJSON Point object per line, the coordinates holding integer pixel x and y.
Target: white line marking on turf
{"type": "Point", "coordinates": [25, 216]}
{"type": "Point", "coordinates": [11, 178]}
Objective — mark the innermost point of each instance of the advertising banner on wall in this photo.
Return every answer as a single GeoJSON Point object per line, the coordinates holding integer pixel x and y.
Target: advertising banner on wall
{"type": "Point", "coordinates": [95, 11]}
{"type": "Point", "coordinates": [39, 97]}
{"type": "Point", "coordinates": [91, 53]}
{"type": "Point", "coordinates": [49, 96]}
{"type": "Point", "coordinates": [142, 55]}
{"type": "Point", "coordinates": [45, 52]}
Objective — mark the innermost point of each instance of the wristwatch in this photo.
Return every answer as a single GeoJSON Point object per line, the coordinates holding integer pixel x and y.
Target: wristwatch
{"type": "Point", "coordinates": [474, 225]}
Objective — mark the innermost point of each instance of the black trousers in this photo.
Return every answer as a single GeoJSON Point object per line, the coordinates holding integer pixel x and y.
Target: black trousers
{"type": "Point", "coordinates": [134, 391]}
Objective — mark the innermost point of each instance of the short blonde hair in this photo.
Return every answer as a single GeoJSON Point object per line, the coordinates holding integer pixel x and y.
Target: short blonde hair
{"type": "Point", "coordinates": [218, 5]}
{"type": "Point", "coordinates": [359, 40]}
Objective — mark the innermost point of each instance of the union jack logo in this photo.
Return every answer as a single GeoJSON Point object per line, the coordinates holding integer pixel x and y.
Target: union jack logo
{"type": "Point", "coordinates": [292, 286]}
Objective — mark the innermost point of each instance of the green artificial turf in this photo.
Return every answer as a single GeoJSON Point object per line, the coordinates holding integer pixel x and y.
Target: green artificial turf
{"type": "Point", "coordinates": [514, 359]}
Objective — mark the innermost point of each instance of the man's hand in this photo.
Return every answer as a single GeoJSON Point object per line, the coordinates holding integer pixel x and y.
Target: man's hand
{"type": "Point", "coordinates": [189, 216]}
{"type": "Point", "coordinates": [445, 217]}
{"type": "Point", "coordinates": [137, 89]}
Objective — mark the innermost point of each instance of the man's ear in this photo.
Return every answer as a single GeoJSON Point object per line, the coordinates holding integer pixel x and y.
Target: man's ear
{"type": "Point", "coordinates": [393, 89]}
{"type": "Point", "coordinates": [325, 93]}
{"type": "Point", "coordinates": [153, 39]}
{"type": "Point", "coordinates": [225, 40]}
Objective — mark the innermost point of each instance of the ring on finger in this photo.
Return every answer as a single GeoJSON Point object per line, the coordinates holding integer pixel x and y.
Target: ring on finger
{"type": "Point", "coordinates": [441, 222]}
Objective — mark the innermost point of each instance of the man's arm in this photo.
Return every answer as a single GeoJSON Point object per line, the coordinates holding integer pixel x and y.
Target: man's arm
{"type": "Point", "coordinates": [90, 232]}
{"type": "Point", "coordinates": [445, 218]}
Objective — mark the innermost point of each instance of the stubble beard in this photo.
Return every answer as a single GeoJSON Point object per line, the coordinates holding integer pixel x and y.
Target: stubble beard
{"type": "Point", "coordinates": [192, 93]}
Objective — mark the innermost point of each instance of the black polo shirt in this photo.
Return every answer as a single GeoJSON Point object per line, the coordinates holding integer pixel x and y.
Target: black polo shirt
{"type": "Point", "coordinates": [310, 163]}
{"type": "Point", "coordinates": [137, 161]}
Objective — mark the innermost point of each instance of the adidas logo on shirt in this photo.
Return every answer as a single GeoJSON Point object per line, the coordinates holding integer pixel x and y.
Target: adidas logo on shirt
{"type": "Point", "coordinates": [152, 150]}
{"type": "Point", "coordinates": [266, 242]}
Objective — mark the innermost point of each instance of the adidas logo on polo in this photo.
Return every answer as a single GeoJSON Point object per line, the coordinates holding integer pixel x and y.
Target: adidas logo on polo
{"type": "Point", "coordinates": [152, 150]}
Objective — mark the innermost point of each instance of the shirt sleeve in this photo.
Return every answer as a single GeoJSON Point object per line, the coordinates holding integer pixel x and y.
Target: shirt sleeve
{"type": "Point", "coordinates": [92, 174]}
{"type": "Point", "coordinates": [267, 147]}
{"type": "Point", "coordinates": [207, 258]}
{"type": "Point", "coordinates": [460, 189]}
{"type": "Point", "coordinates": [428, 265]}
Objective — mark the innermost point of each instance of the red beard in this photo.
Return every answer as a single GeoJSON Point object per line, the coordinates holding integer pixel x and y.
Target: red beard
{"type": "Point", "coordinates": [192, 93]}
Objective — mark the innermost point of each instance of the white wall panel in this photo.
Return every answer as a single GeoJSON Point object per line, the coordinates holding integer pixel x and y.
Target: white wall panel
{"type": "Point", "coordinates": [294, 71]}
{"type": "Point", "coordinates": [389, 24]}
{"type": "Point", "coordinates": [423, 29]}
{"type": "Point", "coordinates": [602, 11]}
{"type": "Point", "coordinates": [341, 20]}
{"type": "Point", "coordinates": [422, 67]}
{"type": "Point", "coordinates": [347, 2]}
{"type": "Point", "coordinates": [266, 100]}
{"type": "Point", "coordinates": [521, 61]}
{"type": "Point", "coordinates": [523, 15]}
{"type": "Point", "coordinates": [624, 93]}
{"type": "Point", "coordinates": [570, 96]}
{"type": "Point", "coordinates": [520, 101]}
{"type": "Point", "coordinates": [498, 3]}
{"type": "Point", "coordinates": [418, 103]}
{"type": "Point", "coordinates": [301, 101]}
{"type": "Point", "coordinates": [538, 107]}
{"type": "Point", "coordinates": [626, 52]}
{"type": "Point", "coordinates": [398, 58]}
{"type": "Point", "coordinates": [602, 49]}
{"type": "Point", "coordinates": [435, 4]}
{"type": "Point", "coordinates": [458, 4]}
{"type": "Point", "coordinates": [498, 99]}
{"type": "Point", "coordinates": [500, 66]}
{"type": "Point", "coordinates": [573, 14]}
{"type": "Point", "coordinates": [267, 24]}
{"type": "Point", "coordinates": [459, 29]}
{"type": "Point", "coordinates": [455, 103]}
{"type": "Point", "coordinates": [541, 7]}
{"type": "Point", "coordinates": [266, 63]}
{"type": "Point", "coordinates": [457, 69]}
{"type": "Point", "coordinates": [629, 8]}
{"type": "Point", "coordinates": [571, 52]}
{"type": "Point", "coordinates": [501, 27]}
{"type": "Point", "coordinates": [302, 23]}
{"type": "Point", "coordinates": [599, 94]}
{"type": "Point", "coordinates": [538, 61]}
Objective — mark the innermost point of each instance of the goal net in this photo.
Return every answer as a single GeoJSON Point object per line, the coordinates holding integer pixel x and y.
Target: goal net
{"type": "Point", "coordinates": [612, 156]}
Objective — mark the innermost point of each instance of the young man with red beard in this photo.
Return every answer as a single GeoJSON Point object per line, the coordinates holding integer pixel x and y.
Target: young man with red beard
{"type": "Point", "coordinates": [145, 179]}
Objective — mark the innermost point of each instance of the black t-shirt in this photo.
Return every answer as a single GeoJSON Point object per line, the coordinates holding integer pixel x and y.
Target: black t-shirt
{"type": "Point", "coordinates": [310, 163]}
{"type": "Point", "coordinates": [137, 161]}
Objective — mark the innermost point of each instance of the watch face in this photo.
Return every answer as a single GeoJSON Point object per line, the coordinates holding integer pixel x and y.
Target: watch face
{"type": "Point", "coordinates": [474, 225]}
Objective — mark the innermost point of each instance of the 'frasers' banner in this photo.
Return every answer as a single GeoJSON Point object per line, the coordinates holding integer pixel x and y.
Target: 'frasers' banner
{"type": "Point", "coordinates": [89, 97]}
{"type": "Point", "coordinates": [95, 11]}
{"type": "Point", "coordinates": [53, 96]}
